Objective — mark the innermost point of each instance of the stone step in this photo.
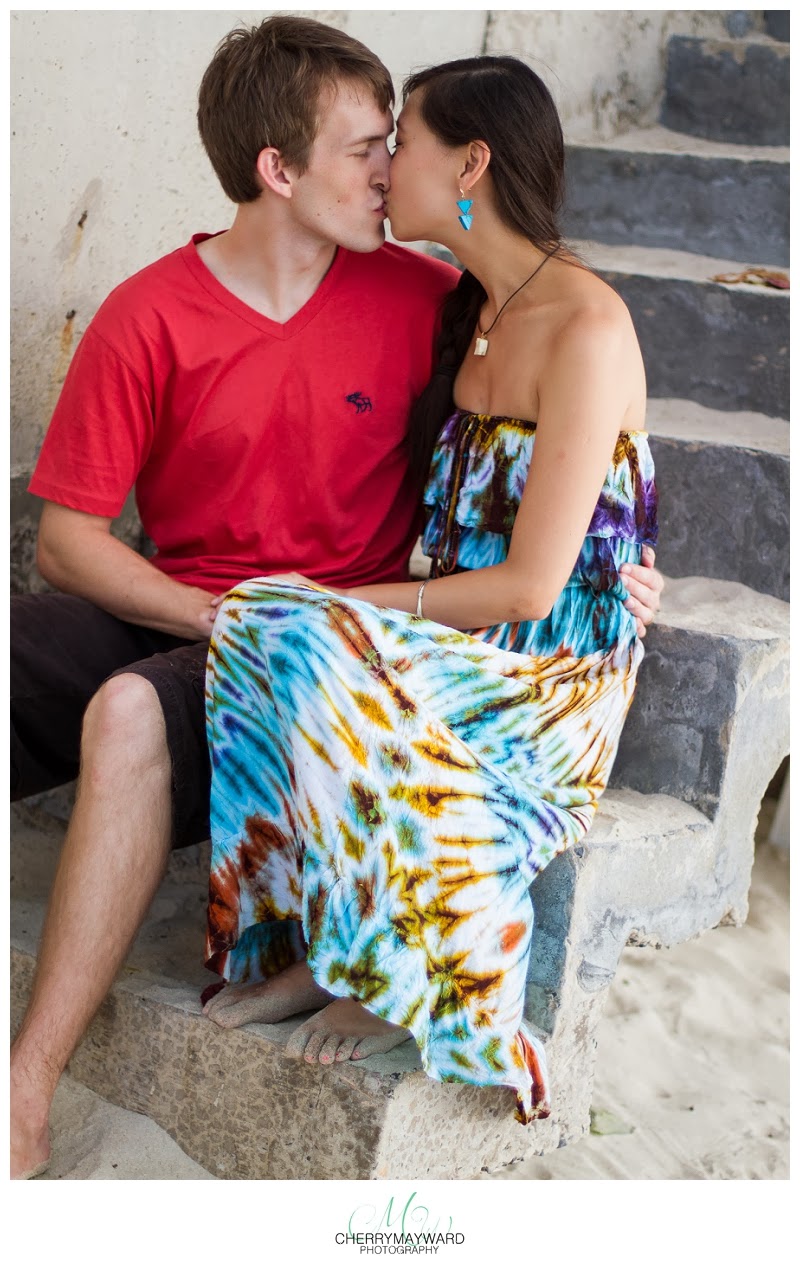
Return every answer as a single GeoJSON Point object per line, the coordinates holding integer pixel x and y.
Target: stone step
{"type": "Point", "coordinates": [709, 720]}
{"type": "Point", "coordinates": [235, 1103]}
{"type": "Point", "coordinates": [722, 345]}
{"type": "Point", "coordinates": [729, 90]}
{"type": "Point", "coordinates": [723, 485]}
{"type": "Point", "coordinates": [776, 24]}
{"type": "Point", "coordinates": [657, 188]}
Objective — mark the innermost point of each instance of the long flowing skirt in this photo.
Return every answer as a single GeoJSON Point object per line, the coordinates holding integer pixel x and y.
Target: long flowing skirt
{"type": "Point", "coordinates": [384, 791]}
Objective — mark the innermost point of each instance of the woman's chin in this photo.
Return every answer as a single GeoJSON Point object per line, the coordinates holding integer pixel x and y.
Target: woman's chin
{"type": "Point", "coordinates": [398, 232]}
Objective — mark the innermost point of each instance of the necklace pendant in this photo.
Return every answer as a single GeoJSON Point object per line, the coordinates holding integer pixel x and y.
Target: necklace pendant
{"type": "Point", "coordinates": [481, 346]}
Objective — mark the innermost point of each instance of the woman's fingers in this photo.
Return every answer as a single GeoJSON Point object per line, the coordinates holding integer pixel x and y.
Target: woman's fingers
{"type": "Point", "coordinates": [644, 591]}
{"type": "Point", "coordinates": [648, 556]}
{"type": "Point", "coordinates": [642, 615]}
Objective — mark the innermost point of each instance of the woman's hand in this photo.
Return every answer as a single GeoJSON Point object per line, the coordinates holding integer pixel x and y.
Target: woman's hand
{"type": "Point", "coordinates": [644, 584]}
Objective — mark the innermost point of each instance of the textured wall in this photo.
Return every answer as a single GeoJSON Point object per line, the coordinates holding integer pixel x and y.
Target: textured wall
{"type": "Point", "coordinates": [108, 172]}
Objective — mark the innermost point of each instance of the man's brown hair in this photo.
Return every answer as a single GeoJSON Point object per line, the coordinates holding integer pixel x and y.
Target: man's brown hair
{"type": "Point", "coordinates": [262, 88]}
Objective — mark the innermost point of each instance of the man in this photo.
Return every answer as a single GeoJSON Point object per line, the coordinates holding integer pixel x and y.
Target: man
{"type": "Point", "coordinates": [255, 388]}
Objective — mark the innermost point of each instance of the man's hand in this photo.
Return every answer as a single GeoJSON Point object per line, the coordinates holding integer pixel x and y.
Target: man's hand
{"type": "Point", "coordinates": [644, 584]}
{"type": "Point", "coordinates": [198, 619]}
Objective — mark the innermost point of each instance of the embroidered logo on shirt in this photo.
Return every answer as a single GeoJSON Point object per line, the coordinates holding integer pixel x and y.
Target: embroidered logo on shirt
{"type": "Point", "coordinates": [360, 402]}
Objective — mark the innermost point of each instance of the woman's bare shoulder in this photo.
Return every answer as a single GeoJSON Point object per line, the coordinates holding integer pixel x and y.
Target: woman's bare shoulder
{"type": "Point", "coordinates": [592, 328]}
{"type": "Point", "coordinates": [589, 307]}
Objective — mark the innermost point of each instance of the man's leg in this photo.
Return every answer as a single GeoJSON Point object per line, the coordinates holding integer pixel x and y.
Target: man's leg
{"type": "Point", "coordinates": [143, 786]}
{"type": "Point", "coordinates": [112, 861]}
{"type": "Point", "coordinates": [62, 649]}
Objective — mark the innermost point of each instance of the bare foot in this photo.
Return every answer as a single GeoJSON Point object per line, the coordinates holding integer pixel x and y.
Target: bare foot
{"type": "Point", "coordinates": [344, 1030]}
{"type": "Point", "coordinates": [30, 1137]}
{"type": "Point", "coordinates": [290, 992]}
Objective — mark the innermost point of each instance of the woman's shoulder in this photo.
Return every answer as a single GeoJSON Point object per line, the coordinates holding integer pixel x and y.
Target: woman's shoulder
{"type": "Point", "coordinates": [590, 327]}
{"type": "Point", "coordinates": [588, 307]}
{"type": "Point", "coordinates": [587, 321]}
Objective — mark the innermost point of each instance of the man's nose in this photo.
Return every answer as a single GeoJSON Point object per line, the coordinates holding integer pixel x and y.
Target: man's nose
{"type": "Point", "coordinates": [382, 174]}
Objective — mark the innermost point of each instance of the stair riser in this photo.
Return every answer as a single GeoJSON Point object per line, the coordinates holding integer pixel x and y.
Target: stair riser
{"type": "Point", "coordinates": [722, 347]}
{"type": "Point", "coordinates": [691, 688]}
{"type": "Point", "coordinates": [728, 208]}
{"type": "Point", "coordinates": [728, 92]}
{"type": "Point", "coordinates": [723, 513]}
{"type": "Point", "coordinates": [776, 23]}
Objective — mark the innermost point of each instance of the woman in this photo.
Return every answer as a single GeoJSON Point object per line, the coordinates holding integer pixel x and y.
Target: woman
{"type": "Point", "coordinates": [392, 765]}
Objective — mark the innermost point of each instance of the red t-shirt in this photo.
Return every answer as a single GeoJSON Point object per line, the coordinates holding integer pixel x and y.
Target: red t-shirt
{"type": "Point", "coordinates": [255, 447]}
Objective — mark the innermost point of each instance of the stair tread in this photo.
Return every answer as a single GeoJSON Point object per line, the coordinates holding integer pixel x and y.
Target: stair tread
{"type": "Point", "coordinates": [683, 420]}
{"type": "Point", "coordinates": [657, 139]}
{"type": "Point", "coordinates": [737, 43]}
{"type": "Point", "coordinates": [722, 609]}
{"type": "Point", "coordinates": [667, 263]}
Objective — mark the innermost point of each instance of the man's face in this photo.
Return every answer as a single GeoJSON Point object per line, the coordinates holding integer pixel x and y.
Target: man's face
{"type": "Point", "coordinates": [340, 196]}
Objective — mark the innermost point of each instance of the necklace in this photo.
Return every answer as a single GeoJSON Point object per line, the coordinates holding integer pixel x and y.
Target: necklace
{"type": "Point", "coordinates": [482, 343]}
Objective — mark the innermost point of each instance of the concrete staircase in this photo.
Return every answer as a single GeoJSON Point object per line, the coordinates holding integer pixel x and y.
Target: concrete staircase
{"type": "Point", "coordinates": [670, 853]}
{"type": "Point", "coordinates": [663, 211]}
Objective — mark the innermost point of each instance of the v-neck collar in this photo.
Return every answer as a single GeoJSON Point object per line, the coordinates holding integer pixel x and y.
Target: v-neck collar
{"type": "Point", "coordinates": [278, 330]}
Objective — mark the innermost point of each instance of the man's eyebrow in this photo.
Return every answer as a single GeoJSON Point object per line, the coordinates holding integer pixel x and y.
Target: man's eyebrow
{"type": "Point", "coordinates": [378, 136]}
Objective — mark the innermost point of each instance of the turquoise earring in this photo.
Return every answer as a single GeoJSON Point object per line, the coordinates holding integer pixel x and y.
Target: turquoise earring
{"type": "Point", "coordinates": [464, 204]}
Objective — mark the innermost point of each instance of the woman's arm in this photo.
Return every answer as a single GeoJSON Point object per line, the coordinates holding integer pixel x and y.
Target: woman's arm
{"type": "Point", "coordinates": [582, 400]}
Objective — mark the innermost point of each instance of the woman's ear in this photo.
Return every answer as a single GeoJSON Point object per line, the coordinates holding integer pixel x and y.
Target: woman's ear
{"type": "Point", "coordinates": [475, 164]}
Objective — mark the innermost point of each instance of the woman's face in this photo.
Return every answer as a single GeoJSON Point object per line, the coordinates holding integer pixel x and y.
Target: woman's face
{"type": "Point", "coordinates": [424, 181]}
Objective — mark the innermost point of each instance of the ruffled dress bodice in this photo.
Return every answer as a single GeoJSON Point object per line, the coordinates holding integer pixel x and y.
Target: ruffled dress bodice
{"type": "Point", "coordinates": [478, 473]}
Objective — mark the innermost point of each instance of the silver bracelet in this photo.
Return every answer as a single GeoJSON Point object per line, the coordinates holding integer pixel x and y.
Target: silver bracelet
{"type": "Point", "coordinates": [419, 597]}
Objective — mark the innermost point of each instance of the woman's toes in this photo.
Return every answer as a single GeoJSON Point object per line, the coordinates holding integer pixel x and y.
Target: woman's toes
{"type": "Point", "coordinates": [314, 1046]}
{"type": "Point", "coordinates": [345, 1048]}
{"type": "Point", "coordinates": [328, 1052]}
{"type": "Point", "coordinates": [296, 1044]}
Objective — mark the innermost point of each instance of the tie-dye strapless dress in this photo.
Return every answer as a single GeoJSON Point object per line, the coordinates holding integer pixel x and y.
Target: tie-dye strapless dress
{"type": "Point", "coordinates": [385, 788]}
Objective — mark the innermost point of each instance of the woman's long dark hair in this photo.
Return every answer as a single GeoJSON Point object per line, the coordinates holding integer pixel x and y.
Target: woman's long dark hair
{"type": "Point", "coordinates": [503, 102]}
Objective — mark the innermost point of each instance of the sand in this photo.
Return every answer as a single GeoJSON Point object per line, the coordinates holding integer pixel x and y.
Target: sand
{"type": "Point", "coordinates": [692, 1069]}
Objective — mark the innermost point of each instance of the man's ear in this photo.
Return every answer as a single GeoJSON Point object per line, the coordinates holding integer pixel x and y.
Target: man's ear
{"type": "Point", "coordinates": [272, 172]}
{"type": "Point", "coordinates": [475, 164]}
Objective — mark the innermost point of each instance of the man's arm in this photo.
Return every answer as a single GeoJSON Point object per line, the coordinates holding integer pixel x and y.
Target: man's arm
{"type": "Point", "coordinates": [77, 553]}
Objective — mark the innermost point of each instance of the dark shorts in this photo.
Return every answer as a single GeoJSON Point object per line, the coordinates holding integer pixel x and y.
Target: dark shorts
{"type": "Point", "coordinates": [62, 649]}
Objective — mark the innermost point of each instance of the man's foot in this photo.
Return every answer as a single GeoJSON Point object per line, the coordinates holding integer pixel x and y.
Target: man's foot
{"type": "Point", "coordinates": [290, 992]}
{"type": "Point", "coordinates": [30, 1136]}
{"type": "Point", "coordinates": [344, 1030]}
{"type": "Point", "coordinates": [30, 1152]}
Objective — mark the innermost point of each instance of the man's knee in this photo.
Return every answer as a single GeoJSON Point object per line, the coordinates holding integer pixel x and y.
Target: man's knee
{"type": "Point", "coordinates": [125, 718]}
